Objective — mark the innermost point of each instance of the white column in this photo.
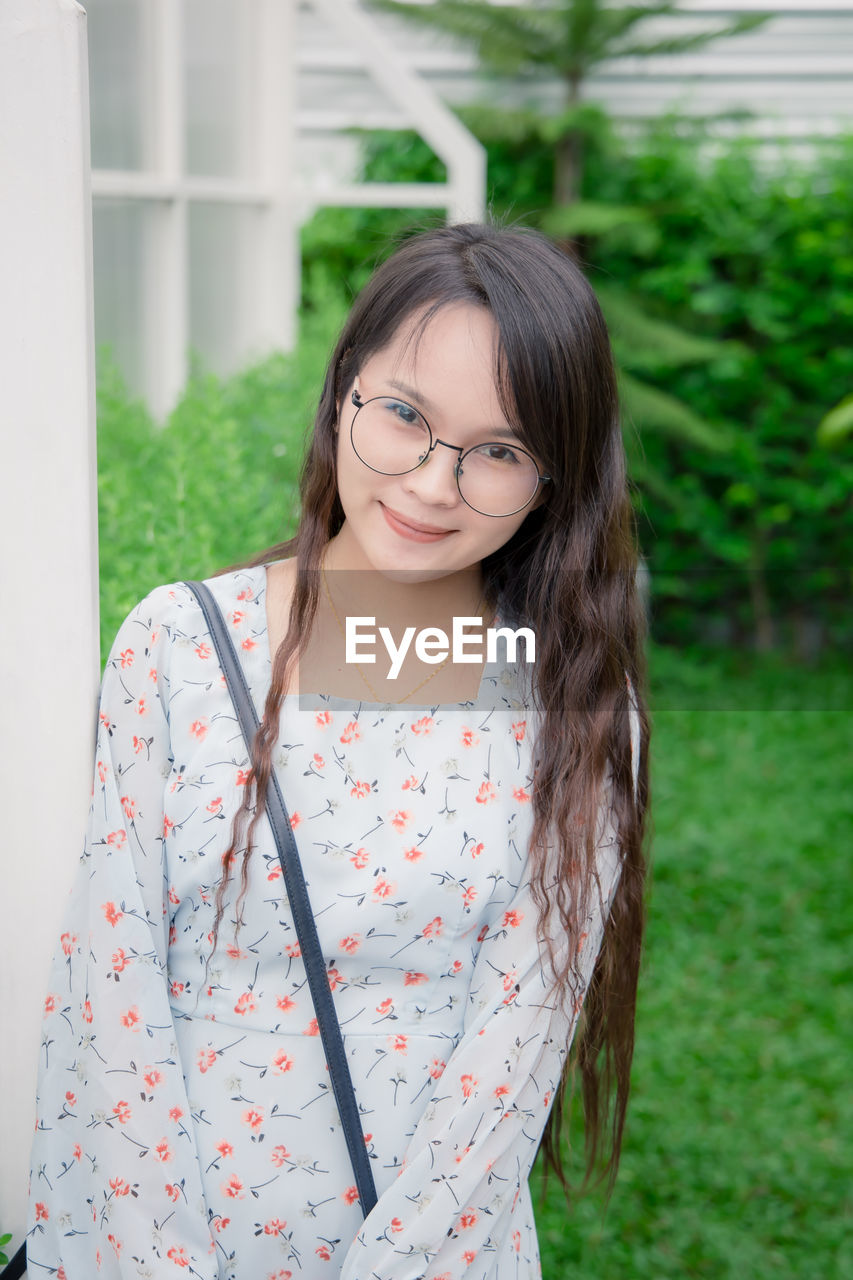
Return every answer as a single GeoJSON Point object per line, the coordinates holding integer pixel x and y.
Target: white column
{"type": "Point", "coordinates": [48, 535]}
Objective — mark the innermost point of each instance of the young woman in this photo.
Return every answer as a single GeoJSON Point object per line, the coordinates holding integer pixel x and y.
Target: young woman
{"type": "Point", "coordinates": [470, 831]}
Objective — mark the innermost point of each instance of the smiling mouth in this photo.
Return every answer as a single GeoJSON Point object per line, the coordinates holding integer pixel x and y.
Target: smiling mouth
{"type": "Point", "coordinates": [413, 528]}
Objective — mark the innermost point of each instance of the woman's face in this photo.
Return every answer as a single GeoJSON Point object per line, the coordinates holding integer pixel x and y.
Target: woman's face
{"type": "Point", "coordinates": [416, 526]}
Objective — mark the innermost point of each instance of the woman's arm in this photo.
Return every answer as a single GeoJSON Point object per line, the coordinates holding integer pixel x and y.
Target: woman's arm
{"type": "Point", "coordinates": [451, 1209]}
{"type": "Point", "coordinates": [115, 1187]}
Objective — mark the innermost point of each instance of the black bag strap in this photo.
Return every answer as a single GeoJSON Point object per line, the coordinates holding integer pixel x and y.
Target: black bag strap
{"type": "Point", "coordinates": [300, 906]}
{"type": "Point", "coordinates": [17, 1265]}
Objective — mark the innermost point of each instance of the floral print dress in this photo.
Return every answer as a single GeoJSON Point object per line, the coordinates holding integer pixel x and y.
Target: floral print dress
{"type": "Point", "coordinates": [186, 1123]}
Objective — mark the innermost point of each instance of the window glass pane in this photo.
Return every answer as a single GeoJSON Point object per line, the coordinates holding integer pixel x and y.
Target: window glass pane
{"type": "Point", "coordinates": [220, 75]}
{"type": "Point", "coordinates": [220, 246]}
{"type": "Point", "coordinates": [121, 233]}
{"type": "Point", "coordinates": [119, 78]}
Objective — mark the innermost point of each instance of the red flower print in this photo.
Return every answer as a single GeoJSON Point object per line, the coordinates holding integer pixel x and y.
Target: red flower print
{"type": "Point", "coordinates": [312, 1029]}
{"type": "Point", "coordinates": [481, 935]}
{"type": "Point", "coordinates": [386, 1006]}
{"type": "Point", "coordinates": [245, 594]}
{"type": "Point", "coordinates": [175, 1113]}
{"type": "Point", "coordinates": [119, 1186]}
{"type": "Point", "coordinates": [469, 895]}
{"type": "Point", "coordinates": [510, 978]}
{"type": "Point", "coordinates": [396, 1225]}
{"type": "Point", "coordinates": [242, 777]}
{"type": "Point", "coordinates": [199, 729]}
{"type": "Point", "coordinates": [273, 1227]}
{"type": "Point", "coordinates": [467, 1219]}
{"type": "Point", "coordinates": [141, 707]}
{"type": "Point", "coordinates": [67, 942]}
{"type": "Point", "coordinates": [400, 819]}
{"type": "Point", "coordinates": [412, 855]}
{"type": "Point", "coordinates": [77, 1152]}
{"type": "Point", "coordinates": [437, 1068]}
{"type": "Point", "coordinates": [424, 725]}
{"type": "Point", "coordinates": [383, 889]}
{"type": "Point", "coordinates": [434, 928]}
{"type": "Point", "coordinates": [233, 1188]}
{"type": "Point", "coordinates": [456, 966]}
{"type": "Point", "coordinates": [116, 1244]}
{"type": "Point", "coordinates": [139, 745]}
{"type": "Point", "coordinates": [516, 1241]}
{"type": "Point", "coordinates": [360, 858]}
{"type": "Point", "coordinates": [323, 1251]}
{"type": "Point", "coordinates": [285, 1004]}
{"type": "Point", "coordinates": [130, 1018]}
{"type": "Point", "coordinates": [468, 1256]}
{"type": "Point", "coordinates": [225, 1149]}
{"type": "Point", "coordinates": [469, 1084]}
{"type": "Point", "coordinates": [245, 1003]}
{"type": "Point", "coordinates": [120, 960]}
{"type": "Point", "coordinates": [519, 728]}
{"type": "Point", "coordinates": [319, 761]}
{"type": "Point", "coordinates": [173, 1192]}
{"type": "Point", "coordinates": [178, 1256]}
{"type": "Point", "coordinates": [351, 733]}
{"type": "Point", "coordinates": [153, 1078]}
{"type": "Point", "coordinates": [335, 978]}
{"type": "Point", "coordinates": [520, 795]}
{"type": "Point", "coordinates": [274, 873]}
{"type": "Point", "coordinates": [205, 1060]}
{"type": "Point", "coordinates": [163, 1151]}
{"type": "Point", "coordinates": [323, 718]}
{"type": "Point", "coordinates": [477, 850]}
{"type": "Point", "coordinates": [70, 1098]}
{"type": "Point", "coordinates": [122, 1112]}
{"type": "Point", "coordinates": [350, 943]}
{"type": "Point", "coordinates": [249, 644]}
{"type": "Point", "coordinates": [129, 807]}
{"type": "Point", "coordinates": [103, 769]}
{"type": "Point", "coordinates": [470, 738]}
{"type": "Point", "coordinates": [237, 617]}
{"type": "Point", "coordinates": [281, 1062]}
{"type": "Point", "coordinates": [112, 913]}
{"type": "Point", "coordinates": [42, 1214]}
{"type": "Point", "coordinates": [360, 790]}
{"type": "Point", "coordinates": [127, 658]}
{"type": "Point", "coordinates": [502, 1090]}
{"type": "Point", "coordinates": [295, 819]}
{"type": "Point", "coordinates": [221, 1223]}
{"type": "Point", "coordinates": [294, 950]}
{"type": "Point", "coordinates": [414, 979]}
{"type": "Point", "coordinates": [411, 781]}
{"type": "Point", "coordinates": [399, 1044]}
{"type": "Point", "coordinates": [350, 1195]}
{"type": "Point", "coordinates": [235, 952]}
{"type": "Point", "coordinates": [488, 791]}
{"type": "Point", "coordinates": [87, 1011]}
{"type": "Point", "coordinates": [105, 721]}
{"type": "Point", "coordinates": [203, 651]}
{"type": "Point", "coordinates": [215, 805]}
{"type": "Point", "coordinates": [278, 1155]}
{"type": "Point", "coordinates": [512, 919]}
{"type": "Point", "coordinates": [115, 840]}
{"type": "Point", "coordinates": [254, 1118]}
{"type": "Point", "coordinates": [581, 940]}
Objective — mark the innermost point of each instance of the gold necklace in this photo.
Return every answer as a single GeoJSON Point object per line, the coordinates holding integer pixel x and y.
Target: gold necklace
{"type": "Point", "coordinates": [376, 697]}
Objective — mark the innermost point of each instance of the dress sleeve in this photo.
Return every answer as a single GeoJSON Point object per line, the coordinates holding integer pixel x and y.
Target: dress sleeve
{"type": "Point", "coordinates": [451, 1209]}
{"type": "Point", "coordinates": [115, 1185]}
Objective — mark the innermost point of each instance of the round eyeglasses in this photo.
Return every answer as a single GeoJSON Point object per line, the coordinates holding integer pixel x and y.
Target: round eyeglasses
{"type": "Point", "coordinates": [393, 438]}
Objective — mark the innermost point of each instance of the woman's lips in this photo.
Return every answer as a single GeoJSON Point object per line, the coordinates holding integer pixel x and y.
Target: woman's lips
{"type": "Point", "coordinates": [414, 532]}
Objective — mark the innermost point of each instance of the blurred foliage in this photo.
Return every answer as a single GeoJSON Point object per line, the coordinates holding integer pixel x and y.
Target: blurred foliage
{"type": "Point", "coordinates": [736, 343]}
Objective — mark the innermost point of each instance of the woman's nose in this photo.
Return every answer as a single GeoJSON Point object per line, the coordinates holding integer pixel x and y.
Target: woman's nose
{"type": "Point", "coordinates": [435, 479]}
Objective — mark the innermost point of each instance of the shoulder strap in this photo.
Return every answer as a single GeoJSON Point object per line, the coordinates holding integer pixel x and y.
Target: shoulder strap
{"type": "Point", "coordinates": [297, 893]}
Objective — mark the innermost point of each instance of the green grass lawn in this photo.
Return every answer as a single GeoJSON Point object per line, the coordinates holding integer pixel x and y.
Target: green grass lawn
{"type": "Point", "coordinates": [736, 1161]}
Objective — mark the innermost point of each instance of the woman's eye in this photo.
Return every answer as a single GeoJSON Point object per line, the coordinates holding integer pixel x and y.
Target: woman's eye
{"type": "Point", "coordinates": [403, 412]}
{"type": "Point", "coordinates": [503, 453]}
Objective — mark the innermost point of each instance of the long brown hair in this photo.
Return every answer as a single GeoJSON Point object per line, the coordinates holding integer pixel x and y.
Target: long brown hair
{"type": "Point", "coordinates": [569, 572]}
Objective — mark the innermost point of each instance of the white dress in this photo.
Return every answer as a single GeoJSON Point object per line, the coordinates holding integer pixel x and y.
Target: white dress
{"type": "Point", "coordinates": [185, 1119]}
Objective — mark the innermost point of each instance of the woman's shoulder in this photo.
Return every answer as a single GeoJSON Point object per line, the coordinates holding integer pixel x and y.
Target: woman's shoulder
{"type": "Point", "coordinates": [171, 613]}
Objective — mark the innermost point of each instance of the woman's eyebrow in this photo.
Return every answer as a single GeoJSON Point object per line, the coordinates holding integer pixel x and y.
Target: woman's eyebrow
{"type": "Point", "coordinates": [411, 393]}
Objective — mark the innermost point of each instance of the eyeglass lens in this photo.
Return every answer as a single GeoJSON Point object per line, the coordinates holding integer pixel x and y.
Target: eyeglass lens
{"type": "Point", "coordinates": [391, 437]}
